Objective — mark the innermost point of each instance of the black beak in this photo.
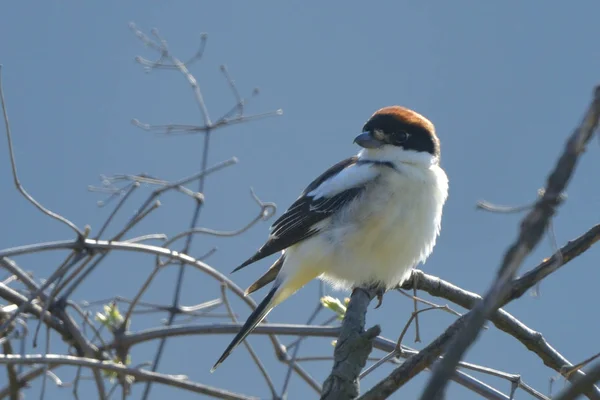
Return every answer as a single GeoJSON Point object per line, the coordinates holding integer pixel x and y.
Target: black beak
{"type": "Point", "coordinates": [367, 141]}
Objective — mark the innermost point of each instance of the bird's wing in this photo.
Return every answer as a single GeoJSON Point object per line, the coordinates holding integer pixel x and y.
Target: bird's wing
{"type": "Point", "coordinates": [324, 197]}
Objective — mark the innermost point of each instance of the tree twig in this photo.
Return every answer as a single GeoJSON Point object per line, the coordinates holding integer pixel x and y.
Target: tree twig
{"type": "Point", "coordinates": [16, 180]}
{"type": "Point", "coordinates": [140, 375]}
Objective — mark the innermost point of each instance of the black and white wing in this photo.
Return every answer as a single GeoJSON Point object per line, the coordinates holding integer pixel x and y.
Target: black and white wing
{"type": "Point", "coordinates": [325, 196]}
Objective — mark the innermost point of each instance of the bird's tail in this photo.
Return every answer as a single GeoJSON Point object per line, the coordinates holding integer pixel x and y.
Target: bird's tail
{"type": "Point", "coordinates": [283, 288]}
{"type": "Point", "coordinates": [254, 319]}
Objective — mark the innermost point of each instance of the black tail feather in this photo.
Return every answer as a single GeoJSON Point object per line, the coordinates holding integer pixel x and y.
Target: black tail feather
{"type": "Point", "coordinates": [253, 320]}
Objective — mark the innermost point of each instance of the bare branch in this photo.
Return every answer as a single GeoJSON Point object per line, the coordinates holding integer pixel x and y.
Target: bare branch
{"type": "Point", "coordinates": [267, 210]}
{"type": "Point", "coordinates": [171, 129]}
{"type": "Point", "coordinates": [13, 383]}
{"type": "Point", "coordinates": [506, 322]}
{"type": "Point", "coordinates": [414, 364]}
{"type": "Point", "coordinates": [140, 375]}
{"type": "Point", "coordinates": [24, 378]}
{"type": "Point", "coordinates": [568, 252]}
{"type": "Point", "coordinates": [17, 182]}
{"type": "Point", "coordinates": [581, 385]}
{"type": "Point", "coordinates": [398, 349]}
{"type": "Point", "coordinates": [532, 228]}
{"type": "Point", "coordinates": [23, 277]}
{"type": "Point", "coordinates": [67, 277]}
{"type": "Point", "coordinates": [60, 271]}
{"type": "Point", "coordinates": [292, 362]}
{"type": "Point", "coordinates": [128, 193]}
{"type": "Point", "coordinates": [352, 349]}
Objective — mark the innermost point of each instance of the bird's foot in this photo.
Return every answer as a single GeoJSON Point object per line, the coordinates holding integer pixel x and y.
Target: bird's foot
{"type": "Point", "coordinates": [380, 292]}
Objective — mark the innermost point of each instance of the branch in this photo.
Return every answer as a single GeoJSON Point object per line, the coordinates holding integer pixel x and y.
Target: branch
{"type": "Point", "coordinates": [13, 383]}
{"type": "Point", "coordinates": [141, 375]}
{"type": "Point", "coordinates": [26, 377]}
{"type": "Point", "coordinates": [129, 339]}
{"type": "Point", "coordinates": [71, 260]}
{"type": "Point", "coordinates": [380, 343]}
{"type": "Point", "coordinates": [414, 364]}
{"type": "Point", "coordinates": [17, 298]}
{"type": "Point", "coordinates": [434, 286]}
{"type": "Point", "coordinates": [352, 349]}
{"type": "Point", "coordinates": [532, 229]}
{"type": "Point", "coordinates": [16, 180]}
{"type": "Point", "coordinates": [581, 385]}
{"type": "Point", "coordinates": [104, 245]}
{"type": "Point", "coordinates": [503, 320]}
{"type": "Point", "coordinates": [568, 252]}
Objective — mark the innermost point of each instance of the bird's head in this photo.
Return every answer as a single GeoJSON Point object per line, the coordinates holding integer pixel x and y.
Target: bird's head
{"type": "Point", "coordinates": [398, 134]}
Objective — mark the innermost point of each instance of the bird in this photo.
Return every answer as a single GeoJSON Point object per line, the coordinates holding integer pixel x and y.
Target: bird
{"type": "Point", "coordinates": [365, 222]}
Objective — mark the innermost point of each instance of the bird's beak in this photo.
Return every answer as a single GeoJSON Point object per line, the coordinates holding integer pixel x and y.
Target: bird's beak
{"type": "Point", "coordinates": [367, 141]}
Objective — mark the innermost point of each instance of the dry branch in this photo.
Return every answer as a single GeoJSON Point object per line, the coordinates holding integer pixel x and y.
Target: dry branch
{"type": "Point", "coordinates": [533, 227]}
{"type": "Point", "coordinates": [139, 374]}
{"type": "Point", "coordinates": [353, 346]}
{"type": "Point", "coordinates": [506, 322]}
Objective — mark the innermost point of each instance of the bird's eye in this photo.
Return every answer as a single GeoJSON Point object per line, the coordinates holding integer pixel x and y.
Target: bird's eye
{"type": "Point", "coordinates": [400, 137]}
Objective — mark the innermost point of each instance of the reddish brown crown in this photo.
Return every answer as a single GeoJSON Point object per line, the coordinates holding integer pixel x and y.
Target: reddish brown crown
{"type": "Point", "coordinates": [408, 116]}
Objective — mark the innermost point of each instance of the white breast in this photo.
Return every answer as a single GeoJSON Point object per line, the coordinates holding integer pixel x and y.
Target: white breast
{"type": "Point", "coordinates": [394, 227]}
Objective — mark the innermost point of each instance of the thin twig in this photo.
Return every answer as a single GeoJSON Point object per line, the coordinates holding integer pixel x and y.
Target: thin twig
{"type": "Point", "coordinates": [429, 303]}
{"type": "Point", "coordinates": [16, 180]}
{"type": "Point", "coordinates": [398, 349]}
{"type": "Point", "coordinates": [72, 259]}
{"type": "Point", "coordinates": [138, 296]}
{"type": "Point", "coordinates": [122, 201]}
{"type": "Point", "coordinates": [414, 364]}
{"type": "Point", "coordinates": [45, 377]}
{"type": "Point", "coordinates": [59, 272]}
{"type": "Point", "coordinates": [292, 361]}
{"type": "Point", "coordinates": [23, 277]}
{"type": "Point", "coordinates": [267, 210]}
{"type": "Point", "coordinates": [140, 375]}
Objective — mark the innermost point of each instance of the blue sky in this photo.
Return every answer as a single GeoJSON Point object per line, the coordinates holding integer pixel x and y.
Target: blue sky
{"type": "Point", "coordinates": [504, 83]}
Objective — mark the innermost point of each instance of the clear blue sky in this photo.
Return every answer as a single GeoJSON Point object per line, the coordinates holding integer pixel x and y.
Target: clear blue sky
{"type": "Point", "coordinates": [504, 84]}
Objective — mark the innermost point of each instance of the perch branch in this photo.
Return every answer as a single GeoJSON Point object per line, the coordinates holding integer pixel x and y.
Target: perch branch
{"type": "Point", "coordinates": [352, 349]}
